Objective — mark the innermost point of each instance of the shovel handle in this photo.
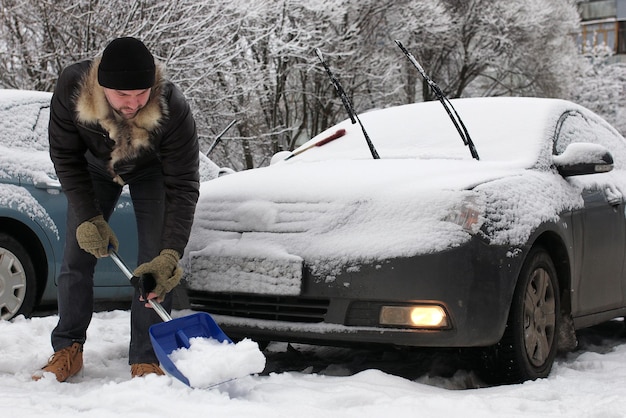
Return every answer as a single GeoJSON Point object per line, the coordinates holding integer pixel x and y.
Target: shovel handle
{"type": "Point", "coordinates": [160, 310]}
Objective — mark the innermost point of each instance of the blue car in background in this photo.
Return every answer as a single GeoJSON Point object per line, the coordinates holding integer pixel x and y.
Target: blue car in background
{"type": "Point", "coordinates": [33, 208]}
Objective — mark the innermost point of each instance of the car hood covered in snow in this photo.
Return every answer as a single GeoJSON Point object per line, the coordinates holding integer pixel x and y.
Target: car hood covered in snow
{"type": "Point", "coordinates": [318, 210]}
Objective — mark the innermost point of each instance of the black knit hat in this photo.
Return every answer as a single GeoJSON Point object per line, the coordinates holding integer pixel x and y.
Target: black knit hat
{"type": "Point", "coordinates": [126, 64]}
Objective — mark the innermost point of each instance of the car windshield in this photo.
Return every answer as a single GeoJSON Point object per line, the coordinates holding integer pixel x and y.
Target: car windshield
{"type": "Point", "coordinates": [24, 119]}
{"type": "Point", "coordinates": [517, 131]}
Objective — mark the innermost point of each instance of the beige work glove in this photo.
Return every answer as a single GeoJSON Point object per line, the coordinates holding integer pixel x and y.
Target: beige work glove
{"type": "Point", "coordinates": [95, 236]}
{"type": "Point", "coordinates": [164, 269]}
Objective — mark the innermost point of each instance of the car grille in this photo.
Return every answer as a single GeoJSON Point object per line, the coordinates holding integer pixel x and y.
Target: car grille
{"type": "Point", "coordinates": [278, 308]}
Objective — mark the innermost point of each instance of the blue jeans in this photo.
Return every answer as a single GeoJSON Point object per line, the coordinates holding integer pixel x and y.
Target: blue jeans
{"type": "Point", "coordinates": [75, 281]}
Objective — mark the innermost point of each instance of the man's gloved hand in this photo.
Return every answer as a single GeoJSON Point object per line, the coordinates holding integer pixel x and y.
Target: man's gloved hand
{"type": "Point", "coordinates": [165, 270]}
{"type": "Point", "coordinates": [95, 236]}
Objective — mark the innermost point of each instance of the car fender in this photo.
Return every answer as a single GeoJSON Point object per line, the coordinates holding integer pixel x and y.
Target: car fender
{"type": "Point", "coordinates": [557, 239]}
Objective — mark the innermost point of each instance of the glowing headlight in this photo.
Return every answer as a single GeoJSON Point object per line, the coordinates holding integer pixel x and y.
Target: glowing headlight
{"type": "Point", "coordinates": [418, 316]}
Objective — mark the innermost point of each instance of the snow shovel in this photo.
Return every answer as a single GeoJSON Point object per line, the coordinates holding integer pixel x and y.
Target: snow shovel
{"type": "Point", "coordinates": [173, 334]}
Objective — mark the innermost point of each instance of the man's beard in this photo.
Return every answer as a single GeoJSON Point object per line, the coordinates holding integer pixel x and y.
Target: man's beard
{"type": "Point", "coordinates": [127, 115]}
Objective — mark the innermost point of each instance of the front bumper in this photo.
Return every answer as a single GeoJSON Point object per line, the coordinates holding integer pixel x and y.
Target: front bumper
{"type": "Point", "coordinates": [474, 283]}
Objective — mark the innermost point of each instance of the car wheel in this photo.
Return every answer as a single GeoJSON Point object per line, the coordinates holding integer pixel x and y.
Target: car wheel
{"type": "Point", "coordinates": [18, 284]}
{"type": "Point", "coordinates": [529, 344]}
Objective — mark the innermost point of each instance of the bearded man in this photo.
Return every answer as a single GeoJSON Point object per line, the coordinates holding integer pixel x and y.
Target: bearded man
{"type": "Point", "coordinates": [114, 121]}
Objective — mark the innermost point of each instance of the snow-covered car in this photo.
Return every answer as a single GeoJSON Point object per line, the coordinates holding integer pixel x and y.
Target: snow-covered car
{"type": "Point", "coordinates": [32, 213]}
{"type": "Point", "coordinates": [505, 253]}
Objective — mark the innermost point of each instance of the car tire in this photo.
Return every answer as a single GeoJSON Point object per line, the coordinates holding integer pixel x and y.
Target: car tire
{"type": "Point", "coordinates": [18, 283]}
{"type": "Point", "coordinates": [529, 344]}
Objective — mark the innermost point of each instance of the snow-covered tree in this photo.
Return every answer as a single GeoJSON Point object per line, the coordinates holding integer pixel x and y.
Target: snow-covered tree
{"type": "Point", "coordinates": [600, 85]}
{"type": "Point", "coordinates": [497, 47]}
{"type": "Point", "coordinates": [254, 61]}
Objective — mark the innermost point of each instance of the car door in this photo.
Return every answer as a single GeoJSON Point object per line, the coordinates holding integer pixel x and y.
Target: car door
{"type": "Point", "coordinates": [602, 251]}
{"type": "Point", "coordinates": [600, 226]}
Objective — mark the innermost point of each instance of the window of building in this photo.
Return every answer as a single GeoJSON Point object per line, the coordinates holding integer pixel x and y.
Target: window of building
{"type": "Point", "coordinates": [601, 33]}
{"type": "Point", "coordinates": [621, 37]}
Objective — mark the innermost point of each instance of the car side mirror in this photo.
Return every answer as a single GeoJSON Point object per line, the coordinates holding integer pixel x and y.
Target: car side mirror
{"type": "Point", "coordinates": [280, 156]}
{"type": "Point", "coordinates": [583, 158]}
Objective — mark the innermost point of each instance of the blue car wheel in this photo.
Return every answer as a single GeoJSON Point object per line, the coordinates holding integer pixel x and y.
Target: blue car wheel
{"type": "Point", "coordinates": [18, 284]}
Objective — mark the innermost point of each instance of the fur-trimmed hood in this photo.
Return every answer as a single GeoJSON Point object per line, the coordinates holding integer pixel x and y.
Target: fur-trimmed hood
{"type": "Point", "coordinates": [131, 136]}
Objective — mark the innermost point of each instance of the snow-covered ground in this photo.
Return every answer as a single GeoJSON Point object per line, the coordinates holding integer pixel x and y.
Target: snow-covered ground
{"type": "Point", "coordinates": [307, 382]}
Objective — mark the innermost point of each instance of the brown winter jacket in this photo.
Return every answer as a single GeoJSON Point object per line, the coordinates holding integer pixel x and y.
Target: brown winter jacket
{"type": "Point", "coordinates": [83, 127]}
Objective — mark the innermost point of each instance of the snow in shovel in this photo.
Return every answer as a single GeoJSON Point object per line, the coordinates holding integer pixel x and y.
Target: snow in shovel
{"type": "Point", "coordinates": [203, 362]}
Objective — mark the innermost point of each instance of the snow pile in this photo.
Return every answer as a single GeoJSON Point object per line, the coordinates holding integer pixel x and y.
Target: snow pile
{"type": "Point", "coordinates": [208, 362]}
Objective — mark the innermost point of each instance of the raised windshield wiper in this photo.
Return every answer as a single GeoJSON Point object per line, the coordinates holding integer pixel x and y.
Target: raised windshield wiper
{"type": "Point", "coordinates": [458, 123]}
{"type": "Point", "coordinates": [346, 103]}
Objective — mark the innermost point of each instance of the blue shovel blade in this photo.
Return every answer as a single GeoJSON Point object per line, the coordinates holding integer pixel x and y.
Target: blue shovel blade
{"type": "Point", "coordinates": [172, 335]}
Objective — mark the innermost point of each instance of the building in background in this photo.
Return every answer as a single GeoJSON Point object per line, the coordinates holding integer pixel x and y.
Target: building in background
{"type": "Point", "coordinates": [604, 22]}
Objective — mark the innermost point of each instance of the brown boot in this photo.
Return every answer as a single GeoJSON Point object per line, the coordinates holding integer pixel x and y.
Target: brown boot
{"type": "Point", "coordinates": [65, 363]}
{"type": "Point", "coordinates": [142, 369]}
